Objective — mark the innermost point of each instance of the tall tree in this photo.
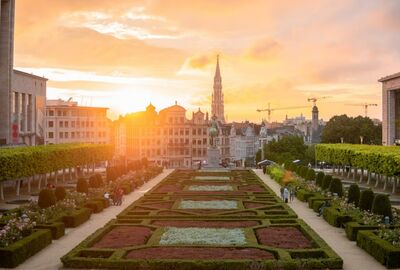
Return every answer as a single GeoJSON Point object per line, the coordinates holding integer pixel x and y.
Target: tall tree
{"type": "Point", "coordinates": [350, 129]}
{"type": "Point", "coordinates": [288, 148]}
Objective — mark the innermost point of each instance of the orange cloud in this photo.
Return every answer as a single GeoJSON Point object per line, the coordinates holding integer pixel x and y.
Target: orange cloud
{"type": "Point", "coordinates": [266, 49]}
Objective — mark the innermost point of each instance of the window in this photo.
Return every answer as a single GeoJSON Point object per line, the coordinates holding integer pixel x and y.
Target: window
{"type": "Point", "coordinates": [51, 135]}
{"type": "Point", "coordinates": [51, 113]}
{"type": "Point", "coordinates": [73, 124]}
{"type": "Point", "coordinates": [66, 124]}
{"type": "Point", "coordinates": [187, 132]}
{"type": "Point", "coordinates": [61, 135]}
{"type": "Point", "coordinates": [194, 131]}
{"type": "Point", "coordinates": [51, 124]}
{"type": "Point", "coordinates": [204, 141]}
{"type": "Point", "coordinates": [194, 142]}
{"type": "Point", "coordinates": [66, 135]}
{"type": "Point", "coordinates": [64, 113]}
{"type": "Point", "coordinates": [58, 113]}
{"type": "Point", "coordinates": [61, 123]}
{"type": "Point", "coordinates": [72, 135]}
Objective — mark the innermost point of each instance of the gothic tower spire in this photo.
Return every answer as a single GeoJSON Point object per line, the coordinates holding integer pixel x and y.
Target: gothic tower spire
{"type": "Point", "coordinates": [217, 106]}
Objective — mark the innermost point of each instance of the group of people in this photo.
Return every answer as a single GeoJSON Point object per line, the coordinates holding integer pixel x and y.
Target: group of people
{"type": "Point", "coordinates": [115, 198]}
{"type": "Point", "coordinates": [287, 194]}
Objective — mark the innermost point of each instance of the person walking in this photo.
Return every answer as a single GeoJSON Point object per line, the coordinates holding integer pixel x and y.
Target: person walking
{"type": "Point", "coordinates": [285, 195]}
{"type": "Point", "coordinates": [291, 194]}
{"type": "Point", "coordinates": [282, 189]}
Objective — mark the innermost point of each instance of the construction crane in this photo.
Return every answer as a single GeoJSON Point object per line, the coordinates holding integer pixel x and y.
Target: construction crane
{"type": "Point", "coordinates": [269, 110]}
{"type": "Point", "coordinates": [314, 99]}
{"type": "Point", "coordinates": [365, 105]}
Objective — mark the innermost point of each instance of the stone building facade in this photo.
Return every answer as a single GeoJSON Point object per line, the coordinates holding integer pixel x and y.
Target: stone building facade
{"type": "Point", "coordinates": [7, 11]}
{"type": "Point", "coordinates": [391, 109]}
{"type": "Point", "coordinates": [66, 122]}
{"type": "Point", "coordinates": [166, 138]}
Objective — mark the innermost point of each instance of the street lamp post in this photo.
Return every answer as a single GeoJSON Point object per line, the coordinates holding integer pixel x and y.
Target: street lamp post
{"type": "Point", "coordinates": [361, 139]}
{"type": "Point", "coordinates": [341, 139]}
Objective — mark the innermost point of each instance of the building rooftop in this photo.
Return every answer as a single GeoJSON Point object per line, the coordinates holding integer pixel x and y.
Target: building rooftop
{"type": "Point", "coordinates": [30, 75]}
{"type": "Point", "coordinates": [68, 104]}
{"type": "Point", "coordinates": [389, 77]}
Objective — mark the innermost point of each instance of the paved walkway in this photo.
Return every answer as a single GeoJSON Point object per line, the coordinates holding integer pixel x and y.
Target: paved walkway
{"type": "Point", "coordinates": [49, 258]}
{"type": "Point", "coordinates": [354, 258]}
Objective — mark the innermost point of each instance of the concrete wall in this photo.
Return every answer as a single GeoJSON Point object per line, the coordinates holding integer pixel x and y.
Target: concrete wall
{"type": "Point", "coordinates": [389, 87]}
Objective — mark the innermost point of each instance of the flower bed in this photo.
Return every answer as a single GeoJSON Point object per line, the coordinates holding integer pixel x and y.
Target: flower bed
{"type": "Point", "coordinates": [19, 251]}
{"type": "Point", "coordinates": [204, 230]}
{"type": "Point", "coordinates": [383, 251]}
{"type": "Point", "coordinates": [283, 237]}
{"type": "Point", "coordinates": [220, 204]}
{"type": "Point", "coordinates": [124, 236]}
{"type": "Point", "coordinates": [203, 236]}
{"type": "Point", "coordinates": [210, 188]}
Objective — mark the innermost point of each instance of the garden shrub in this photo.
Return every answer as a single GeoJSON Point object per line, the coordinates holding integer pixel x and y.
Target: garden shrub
{"type": "Point", "coordinates": [303, 171]}
{"type": "Point", "coordinates": [95, 205]}
{"type": "Point", "coordinates": [77, 217]}
{"type": "Point", "coordinates": [57, 229]}
{"type": "Point", "coordinates": [336, 218]}
{"type": "Point", "coordinates": [21, 250]}
{"type": "Point", "coordinates": [46, 198]}
{"type": "Point", "coordinates": [320, 178]}
{"type": "Point", "coordinates": [354, 194]}
{"type": "Point", "coordinates": [336, 186]}
{"type": "Point", "coordinates": [366, 199]}
{"type": "Point", "coordinates": [264, 169]}
{"type": "Point", "coordinates": [60, 193]}
{"type": "Point", "coordinates": [381, 205]}
{"type": "Point", "coordinates": [95, 181]}
{"type": "Point", "coordinates": [310, 175]}
{"type": "Point", "coordinates": [82, 186]}
{"type": "Point", "coordinates": [326, 182]}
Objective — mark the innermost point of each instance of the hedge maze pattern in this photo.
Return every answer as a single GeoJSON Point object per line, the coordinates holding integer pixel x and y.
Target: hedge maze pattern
{"type": "Point", "coordinates": [261, 233]}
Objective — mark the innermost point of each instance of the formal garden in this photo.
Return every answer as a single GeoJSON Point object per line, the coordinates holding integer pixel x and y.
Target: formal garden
{"type": "Point", "coordinates": [205, 220]}
{"type": "Point", "coordinates": [367, 217]}
{"type": "Point", "coordinates": [26, 230]}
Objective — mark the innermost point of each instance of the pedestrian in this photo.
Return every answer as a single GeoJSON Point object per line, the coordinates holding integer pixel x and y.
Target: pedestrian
{"type": "Point", "coordinates": [291, 194]}
{"type": "Point", "coordinates": [282, 189]}
{"type": "Point", "coordinates": [324, 205]}
{"type": "Point", "coordinates": [285, 195]}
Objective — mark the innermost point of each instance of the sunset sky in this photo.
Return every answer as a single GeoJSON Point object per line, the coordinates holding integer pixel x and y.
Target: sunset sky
{"type": "Point", "coordinates": [123, 54]}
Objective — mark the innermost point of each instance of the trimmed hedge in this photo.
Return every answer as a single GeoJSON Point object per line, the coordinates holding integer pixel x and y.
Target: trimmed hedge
{"type": "Point", "coordinates": [95, 205]}
{"type": "Point", "coordinates": [320, 178]}
{"type": "Point", "coordinates": [303, 195]}
{"type": "Point", "coordinates": [77, 217]}
{"type": "Point", "coordinates": [335, 218]}
{"type": "Point", "coordinates": [382, 206]}
{"type": "Point", "coordinates": [336, 187]}
{"type": "Point", "coordinates": [366, 199]}
{"type": "Point", "coordinates": [18, 252]}
{"type": "Point", "coordinates": [46, 198]}
{"type": "Point", "coordinates": [352, 228]}
{"type": "Point", "coordinates": [82, 186]}
{"type": "Point", "coordinates": [57, 229]}
{"type": "Point", "coordinates": [354, 194]}
{"type": "Point", "coordinates": [60, 193]}
{"type": "Point", "coordinates": [326, 182]}
{"type": "Point", "coordinates": [380, 249]}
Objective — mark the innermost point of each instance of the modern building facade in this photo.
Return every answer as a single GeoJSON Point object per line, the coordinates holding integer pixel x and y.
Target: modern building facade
{"type": "Point", "coordinates": [66, 122]}
{"type": "Point", "coordinates": [217, 103]}
{"type": "Point", "coordinates": [167, 138]}
{"type": "Point", "coordinates": [7, 11]}
{"type": "Point", "coordinates": [391, 109]}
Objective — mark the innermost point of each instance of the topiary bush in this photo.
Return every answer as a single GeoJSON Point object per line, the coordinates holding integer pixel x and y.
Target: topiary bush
{"type": "Point", "coordinates": [366, 199]}
{"type": "Point", "coordinates": [320, 178]}
{"type": "Point", "coordinates": [95, 181]}
{"type": "Point", "coordinates": [60, 193]}
{"type": "Point", "coordinates": [336, 187]}
{"type": "Point", "coordinates": [326, 182]}
{"type": "Point", "coordinates": [82, 186]}
{"type": "Point", "coordinates": [303, 171]}
{"type": "Point", "coordinates": [354, 194]}
{"type": "Point", "coordinates": [46, 198]}
{"type": "Point", "coordinates": [381, 205]}
{"type": "Point", "coordinates": [310, 175]}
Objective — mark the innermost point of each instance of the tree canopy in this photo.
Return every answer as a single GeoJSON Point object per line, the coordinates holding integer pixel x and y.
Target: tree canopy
{"type": "Point", "coordinates": [288, 148]}
{"type": "Point", "coordinates": [350, 129]}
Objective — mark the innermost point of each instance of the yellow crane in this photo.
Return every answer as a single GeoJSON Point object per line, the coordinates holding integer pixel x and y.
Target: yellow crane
{"type": "Point", "coordinates": [315, 99]}
{"type": "Point", "coordinates": [269, 110]}
{"type": "Point", "coordinates": [365, 105]}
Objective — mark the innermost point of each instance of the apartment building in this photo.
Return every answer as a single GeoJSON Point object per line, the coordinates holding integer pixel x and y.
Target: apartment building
{"type": "Point", "coordinates": [166, 138]}
{"type": "Point", "coordinates": [66, 122]}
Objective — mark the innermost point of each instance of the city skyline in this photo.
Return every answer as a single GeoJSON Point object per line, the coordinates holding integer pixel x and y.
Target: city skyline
{"type": "Point", "coordinates": [129, 54]}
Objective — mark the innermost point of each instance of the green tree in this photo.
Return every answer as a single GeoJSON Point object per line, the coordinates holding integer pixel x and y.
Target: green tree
{"type": "Point", "coordinates": [350, 129]}
{"type": "Point", "coordinates": [288, 148]}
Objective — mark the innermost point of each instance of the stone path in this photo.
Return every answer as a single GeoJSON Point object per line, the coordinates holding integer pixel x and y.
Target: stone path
{"type": "Point", "coordinates": [49, 258]}
{"type": "Point", "coordinates": [354, 258]}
